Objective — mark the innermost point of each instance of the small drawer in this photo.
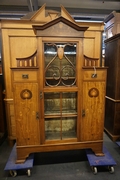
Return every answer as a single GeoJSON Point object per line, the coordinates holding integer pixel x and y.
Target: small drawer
{"type": "Point", "coordinates": [92, 75]}
{"type": "Point", "coordinates": [24, 76]}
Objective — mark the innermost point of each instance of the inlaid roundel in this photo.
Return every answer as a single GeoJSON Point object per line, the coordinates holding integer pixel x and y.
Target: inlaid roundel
{"type": "Point", "coordinates": [26, 94]}
{"type": "Point", "coordinates": [93, 92]}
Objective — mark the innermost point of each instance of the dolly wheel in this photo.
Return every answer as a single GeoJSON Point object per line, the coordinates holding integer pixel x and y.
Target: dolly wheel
{"type": "Point", "coordinates": [29, 172]}
{"type": "Point", "coordinates": [13, 173]}
{"type": "Point", "coordinates": [94, 169]}
{"type": "Point", "coordinates": [111, 169]}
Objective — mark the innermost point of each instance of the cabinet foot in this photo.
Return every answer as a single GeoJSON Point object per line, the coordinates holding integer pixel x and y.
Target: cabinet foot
{"type": "Point", "coordinates": [98, 152]}
{"type": "Point", "coordinates": [21, 157]}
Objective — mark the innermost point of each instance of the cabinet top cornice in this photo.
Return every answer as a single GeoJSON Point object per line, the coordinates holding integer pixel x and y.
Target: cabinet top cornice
{"type": "Point", "coordinates": [60, 19]}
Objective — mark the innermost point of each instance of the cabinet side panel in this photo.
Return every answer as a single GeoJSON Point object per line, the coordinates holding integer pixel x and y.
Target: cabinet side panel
{"type": "Point", "coordinates": [21, 47]}
{"type": "Point", "coordinates": [112, 55]}
{"type": "Point", "coordinates": [11, 126]}
{"type": "Point", "coordinates": [92, 44]}
{"type": "Point", "coordinates": [112, 117]}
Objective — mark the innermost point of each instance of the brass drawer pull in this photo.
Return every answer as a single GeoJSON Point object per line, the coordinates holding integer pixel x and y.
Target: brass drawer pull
{"type": "Point", "coordinates": [94, 76]}
{"type": "Point", "coordinates": [25, 76]}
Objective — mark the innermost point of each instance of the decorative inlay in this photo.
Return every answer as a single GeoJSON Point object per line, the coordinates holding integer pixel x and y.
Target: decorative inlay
{"type": "Point", "coordinates": [26, 94]}
{"type": "Point", "coordinates": [60, 52]}
{"type": "Point", "coordinates": [93, 92]}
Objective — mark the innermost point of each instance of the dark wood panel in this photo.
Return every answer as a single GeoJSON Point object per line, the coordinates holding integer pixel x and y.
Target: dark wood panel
{"type": "Point", "coordinates": [112, 109]}
{"type": "Point", "coordinates": [112, 55]}
{"type": "Point", "coordinates": [112, 117]}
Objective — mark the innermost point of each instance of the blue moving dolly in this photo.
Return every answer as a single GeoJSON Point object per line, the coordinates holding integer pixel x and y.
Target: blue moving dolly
{"type": "Point", "coordinates": [96, 161]}
{"type": "Point", "coordinates": [13, 167]}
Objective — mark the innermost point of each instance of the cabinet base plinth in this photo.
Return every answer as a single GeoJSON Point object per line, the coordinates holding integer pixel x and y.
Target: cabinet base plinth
{"type": "Point", "coordinates": [111, 136]}
{"type": "Point", "coordinates": [24, 151]}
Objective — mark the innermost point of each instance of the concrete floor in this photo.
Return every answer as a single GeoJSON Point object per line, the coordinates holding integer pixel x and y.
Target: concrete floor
{"type": "Point", "coordinates": [66, 165]}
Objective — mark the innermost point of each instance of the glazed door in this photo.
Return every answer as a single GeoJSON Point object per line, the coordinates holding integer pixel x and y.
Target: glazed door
{"type": "Point", "coordinates": [26, 113]}
{"type": "Point", "coordinates": [60, 91]}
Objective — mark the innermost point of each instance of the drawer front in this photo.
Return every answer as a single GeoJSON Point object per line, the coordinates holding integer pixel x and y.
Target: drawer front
{"type": "Point", "coordinates": [92, 75]}
{"type": "Point", "coordinates": [24, 76]}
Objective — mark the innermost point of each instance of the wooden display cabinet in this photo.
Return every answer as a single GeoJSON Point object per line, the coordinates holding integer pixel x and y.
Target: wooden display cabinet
{"type": "Point", "coordinates": [112, 110]}
{"type": "Point", "coordinates": [112, 24]}
{"type": "Point", "coordinates": [58, 92]}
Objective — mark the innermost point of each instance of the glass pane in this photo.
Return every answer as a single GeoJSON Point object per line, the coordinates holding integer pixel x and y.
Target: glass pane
{"type": "Point", "coordinates": [69, 127]}
{"type": "Point", "coordinates": [69, 102]}
{"type": "Point", "coordinates": [52, 128]}
{"type": "Point", "coordinates": [60, 64]}
{"type": "Point", "coordinates": [52, 103]}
